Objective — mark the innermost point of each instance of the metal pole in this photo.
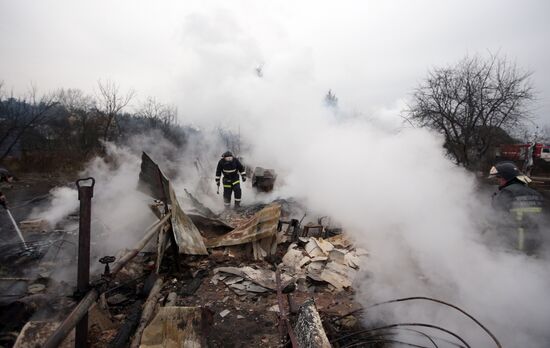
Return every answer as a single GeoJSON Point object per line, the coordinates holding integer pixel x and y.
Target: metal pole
{"type": "Point", "coordinates": [76, 316]}
{"type": "Point", "coordinates": [82, 308]}
{"type": "Point", "coordinates": [85, 194]}
{"type": "Point", "coordinates": [149, 233]}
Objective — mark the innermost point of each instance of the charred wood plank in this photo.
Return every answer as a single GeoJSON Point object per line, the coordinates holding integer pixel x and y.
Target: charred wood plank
{"type": "Point", "coordinates": [309, 328]}
{"type": "Point", "coordinates": [128, 327]}
{"type": "Point", "coordinates": [147, 313]}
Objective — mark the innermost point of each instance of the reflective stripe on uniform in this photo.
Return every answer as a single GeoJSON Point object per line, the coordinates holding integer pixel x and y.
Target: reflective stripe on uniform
{"type": "Point", "coordinates": [228, 186]}
{"type": "Point", "coordinates": [243, 173]}
{"type": "Point", "coordinates": [235, 182]}
{"type": "Point", "coordinates": [237, 199]}
{"type": "Point", "coordinates": [521, 238]}
{"type": "Point", "coordinates": [527, 210]}
{"type": "Point", "coordinates": [218, 177]}
{"type": "Point", "coordinates": [229, 171]}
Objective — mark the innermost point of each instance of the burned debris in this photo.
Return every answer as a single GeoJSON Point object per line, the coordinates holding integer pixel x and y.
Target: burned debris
{"type": "Point", "coordinates": [256, 276]}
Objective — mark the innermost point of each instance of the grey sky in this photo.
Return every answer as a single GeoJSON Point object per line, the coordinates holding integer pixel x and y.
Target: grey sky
{"type": "Point", "coordinates": [201, 55]}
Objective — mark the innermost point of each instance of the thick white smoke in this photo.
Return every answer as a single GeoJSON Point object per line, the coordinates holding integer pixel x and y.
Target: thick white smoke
{"type": "Point", "coordinates": [392, 188]}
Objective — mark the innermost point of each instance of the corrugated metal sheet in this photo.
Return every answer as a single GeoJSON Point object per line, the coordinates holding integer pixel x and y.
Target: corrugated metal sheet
{"type": "Point", "coordinates": [154, 183]}
{"type": "Point", "coordinates": [152, 180]}
{"type": "Point", "coordinates": [187, 235]}
{"type": "Point", "coordinates": [262, 225]}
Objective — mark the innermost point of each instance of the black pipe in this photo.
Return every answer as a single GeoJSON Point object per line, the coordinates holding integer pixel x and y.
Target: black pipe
{"type": "Point", "coordinates": [85, 194]}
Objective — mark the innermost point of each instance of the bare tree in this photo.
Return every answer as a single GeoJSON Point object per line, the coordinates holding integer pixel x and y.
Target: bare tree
{"type": "Point", "coordinates": [110, 102]}
{"type": "Point", "coordinates": [82, 116]}
{"type": "Point", "coordinates": [20, 115]}
{"type": "Point", "coordinates": [471, 104]}
{"type": "Point", "coordinates": [158, 114]}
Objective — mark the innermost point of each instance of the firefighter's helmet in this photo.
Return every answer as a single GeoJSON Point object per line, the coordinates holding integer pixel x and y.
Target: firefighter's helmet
{"type": "Point", "coordinates": [227, 154]}
{"type": "Point", "coordinates": [505, 170]}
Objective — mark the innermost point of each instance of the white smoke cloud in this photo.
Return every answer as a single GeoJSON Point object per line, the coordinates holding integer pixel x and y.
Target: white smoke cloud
{"type": "Point", "coordinates": [391, 187]}
{"type": "Point", "coordinates": [64, 201]}
{"type": "Point", "coordinates": [418, 215]}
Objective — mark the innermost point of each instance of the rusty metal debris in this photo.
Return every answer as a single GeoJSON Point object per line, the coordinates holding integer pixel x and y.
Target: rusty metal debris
{"type": "Point", "coordinates": [263, 179]}
{"type": "Point", "coordinates": [187, 235]}
{"type": "Point", "coordinates": [176, 327]}
{"type": "Point", "coordinates": [151, 179]}
{"type": "Point", "coordinates": [261, 226]}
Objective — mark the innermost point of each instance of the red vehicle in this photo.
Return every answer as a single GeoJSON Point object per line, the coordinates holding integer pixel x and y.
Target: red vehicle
{"type": "Point", "coordinates": [518, 152]}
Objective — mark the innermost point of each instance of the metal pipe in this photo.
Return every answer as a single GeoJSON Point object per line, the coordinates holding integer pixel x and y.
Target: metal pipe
{"type": "Point", "coordinates": [82, 308]}
{"type": "Point", "coordinates": [117, 266]}
{"type": "Point", "coordinates": [72, 320]}
{"type": "Point", "coordinates": [85, 194]}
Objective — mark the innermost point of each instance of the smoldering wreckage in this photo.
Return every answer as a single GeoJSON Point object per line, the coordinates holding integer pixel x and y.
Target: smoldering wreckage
{"type": "Point", "coordinates": [256, 276]}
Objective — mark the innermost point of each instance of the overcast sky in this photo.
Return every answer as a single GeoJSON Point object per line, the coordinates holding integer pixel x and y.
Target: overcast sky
{"type": "Point", "coordinates": [370, 53]}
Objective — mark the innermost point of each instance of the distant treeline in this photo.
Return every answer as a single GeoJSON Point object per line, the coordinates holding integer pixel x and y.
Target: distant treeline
{"type": "Point", "coordinates": [63, 129]}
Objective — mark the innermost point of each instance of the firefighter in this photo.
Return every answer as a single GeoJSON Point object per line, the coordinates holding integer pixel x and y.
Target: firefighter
{"type": "Point", "coordinates": [520, 206]}
{"type": "Point", "coordinates": [231, 167]}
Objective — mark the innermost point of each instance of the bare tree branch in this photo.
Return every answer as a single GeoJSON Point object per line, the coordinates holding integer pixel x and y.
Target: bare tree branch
{"type": "Point", "coordinates": [472, 103]}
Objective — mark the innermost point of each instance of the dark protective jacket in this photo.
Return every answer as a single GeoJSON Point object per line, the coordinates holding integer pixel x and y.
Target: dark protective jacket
{"type": "Point", "coordinates": [521, 209]}
{"type": "Point", "coordinates": [230, 170]}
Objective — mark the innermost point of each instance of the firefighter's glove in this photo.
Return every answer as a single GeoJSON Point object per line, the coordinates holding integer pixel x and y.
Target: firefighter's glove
{"type": "Point", "coordinates": [3, 202]}
{"type": "Point", "coordinates": [244, 178]}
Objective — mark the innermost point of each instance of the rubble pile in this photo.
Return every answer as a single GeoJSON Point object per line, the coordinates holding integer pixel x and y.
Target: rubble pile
{"type": "Point", "coordinates": [248, 277]}
{"type": "Point", "coordinates": [320, 260]}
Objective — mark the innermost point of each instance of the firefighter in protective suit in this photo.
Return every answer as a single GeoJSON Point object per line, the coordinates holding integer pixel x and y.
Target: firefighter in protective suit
{"type": "Point", "coordinates": [231, 167]}
{"type": "Point", "coordinates": [520, 206]}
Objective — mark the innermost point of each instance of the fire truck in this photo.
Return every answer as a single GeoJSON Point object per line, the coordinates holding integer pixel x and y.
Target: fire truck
{"type": "Point", "coordinates": [517, 153]}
